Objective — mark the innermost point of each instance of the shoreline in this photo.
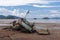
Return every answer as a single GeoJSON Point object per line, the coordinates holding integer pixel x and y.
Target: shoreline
{"type": "Point", "coordinates": [47, 25]}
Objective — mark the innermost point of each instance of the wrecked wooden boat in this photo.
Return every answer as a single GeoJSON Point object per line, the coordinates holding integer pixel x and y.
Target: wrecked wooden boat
{"type": "Point", "coordinates": [23, 25]}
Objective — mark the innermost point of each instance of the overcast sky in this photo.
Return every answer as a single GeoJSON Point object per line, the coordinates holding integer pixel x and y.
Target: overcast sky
{"type": "Point", "coordinates": [38, 8]}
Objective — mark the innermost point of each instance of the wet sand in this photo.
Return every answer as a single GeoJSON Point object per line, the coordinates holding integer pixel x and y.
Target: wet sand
{"type": "Point", "coordinates": [54, 29]}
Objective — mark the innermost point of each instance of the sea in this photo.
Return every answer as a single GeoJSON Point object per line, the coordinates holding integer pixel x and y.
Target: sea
{"type": "Point", "coordinates": [39, 20]}
{"type": "Point", "coordinates": [44, 20]}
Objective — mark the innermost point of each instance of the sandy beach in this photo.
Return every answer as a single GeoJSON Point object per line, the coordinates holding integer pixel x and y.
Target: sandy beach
{"type": "Point", "coordinates": [54, 29]}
